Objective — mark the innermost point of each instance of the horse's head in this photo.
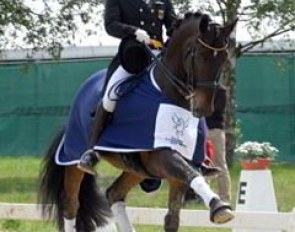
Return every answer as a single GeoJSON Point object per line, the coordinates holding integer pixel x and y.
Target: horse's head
{"type": "Point", "coordinates": [196, 55]}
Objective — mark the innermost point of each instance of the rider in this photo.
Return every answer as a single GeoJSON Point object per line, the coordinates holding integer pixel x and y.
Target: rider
{"type": "Point", "coordinates": [143, 19]}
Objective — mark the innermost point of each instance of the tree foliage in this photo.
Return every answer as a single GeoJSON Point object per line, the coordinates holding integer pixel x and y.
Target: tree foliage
{"type": "Point", "coordinates": [182, 6]}
{"type": "Point", "coordinates": [263, 19]}
{"type": "Point", "coordinates": [46, 23]}
{"type": "Point", "coordinates": [41, 23]}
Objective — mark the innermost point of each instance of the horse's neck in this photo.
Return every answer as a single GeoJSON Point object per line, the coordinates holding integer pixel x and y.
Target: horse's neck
{"type": "Point", "coordinates": [172, 61]}
{"type": "Point", "coordinates": [168, 88]}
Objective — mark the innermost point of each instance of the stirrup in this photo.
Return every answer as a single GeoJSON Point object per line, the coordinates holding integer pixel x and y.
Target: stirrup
{"type": "Point", "coordinates": [88, 162]}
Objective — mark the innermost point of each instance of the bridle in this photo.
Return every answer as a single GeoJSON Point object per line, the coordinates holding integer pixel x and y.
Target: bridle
{"type": "Point", "coordinates": [202, 83]}
{"type": "Point", "coordinates": [186, 89]}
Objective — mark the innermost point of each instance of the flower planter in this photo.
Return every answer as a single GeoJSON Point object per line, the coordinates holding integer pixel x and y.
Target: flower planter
{"type": "Point", "coordinates": [256, 164]}
{"type": "Point", "coordinates": [255, 155]}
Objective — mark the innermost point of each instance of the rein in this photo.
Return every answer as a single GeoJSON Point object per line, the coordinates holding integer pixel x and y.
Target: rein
{"type": "Point", "coordinates": [178, 84]}
{"type": "Point", "coordinates": [187, 89]}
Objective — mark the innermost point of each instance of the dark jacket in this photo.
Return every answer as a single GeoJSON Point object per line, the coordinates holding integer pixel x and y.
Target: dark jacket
{"type": "Point", "coordinates": [217, 119]}
{"type": "Point", "coordinates": [124, 17]}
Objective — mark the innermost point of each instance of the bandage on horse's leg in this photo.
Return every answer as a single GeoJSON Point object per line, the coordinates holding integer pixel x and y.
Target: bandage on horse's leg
{"type": "Point", "coordinates": [116, 194]}
{"type": "Point", "coordinates": [172, 166]}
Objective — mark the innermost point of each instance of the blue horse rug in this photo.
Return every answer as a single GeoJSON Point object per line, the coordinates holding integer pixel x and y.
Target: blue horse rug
{"type": "Point", "coordinates": [144, 120]}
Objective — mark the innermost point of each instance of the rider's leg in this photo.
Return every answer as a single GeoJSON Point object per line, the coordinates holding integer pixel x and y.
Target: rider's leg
{"type": "Point", "coordinates": [103, 114]}
{"type": "Point", "coordinates": [107, 107]}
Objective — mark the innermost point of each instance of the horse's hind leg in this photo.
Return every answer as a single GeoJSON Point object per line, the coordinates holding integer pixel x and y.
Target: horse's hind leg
{"type": "Point", "coordinates": [176, 194]}
{"type": "Point", "coordinates": [116, 194]}
{"type": "Point", "coordinates": [72, 182]}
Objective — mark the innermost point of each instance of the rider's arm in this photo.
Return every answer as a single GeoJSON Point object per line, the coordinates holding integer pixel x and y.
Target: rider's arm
{"type": "Point", "coordinates": [113, 20]}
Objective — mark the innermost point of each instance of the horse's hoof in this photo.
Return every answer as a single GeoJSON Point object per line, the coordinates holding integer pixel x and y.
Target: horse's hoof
{"type": "Point", "coordinates": [88, 162]}
{"type": "Point", "coordinates": [209, 171]}
{"type": "Point", "coordinates": [220, 212]}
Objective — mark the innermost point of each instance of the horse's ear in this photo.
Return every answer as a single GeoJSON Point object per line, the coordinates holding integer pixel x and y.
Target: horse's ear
{"type": "Point", "coordinates": [227, 30]}
{"type": "Point", "coordinates": [203, 23]}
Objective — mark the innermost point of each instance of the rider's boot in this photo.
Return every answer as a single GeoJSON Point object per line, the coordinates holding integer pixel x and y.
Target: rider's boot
{"type": "Point", "coordinates": [88, 161]}
{"type": "Point", "coordinates": [90, 158]}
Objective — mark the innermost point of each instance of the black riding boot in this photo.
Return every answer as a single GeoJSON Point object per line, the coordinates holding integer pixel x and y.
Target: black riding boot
{"type": "Point", "coordinates": [90, 158]}
{"type": "Point", "coordinates": [88, 161]}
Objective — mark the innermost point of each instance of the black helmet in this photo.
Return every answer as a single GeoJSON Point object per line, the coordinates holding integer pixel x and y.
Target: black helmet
{"type": "Point", "coordinates": [133, 55]}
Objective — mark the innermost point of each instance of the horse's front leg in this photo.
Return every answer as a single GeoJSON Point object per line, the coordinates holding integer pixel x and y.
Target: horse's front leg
{"type": "Point", "coordinates": [176, 194]}
{"type": "Point", "coordinates": [116, 194]}
{"type": "Point", "coordinates": [170, 165]}
{"type": "Point", "coordinates": [72, 183]}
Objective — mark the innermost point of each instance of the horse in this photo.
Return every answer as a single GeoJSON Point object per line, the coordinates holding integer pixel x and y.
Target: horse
{"type": "Point", "coordinates": [187, 75]}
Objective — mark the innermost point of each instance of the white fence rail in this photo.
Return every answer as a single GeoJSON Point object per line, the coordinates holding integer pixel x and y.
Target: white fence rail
{"type": "Point", "coordinates": [191, 218]}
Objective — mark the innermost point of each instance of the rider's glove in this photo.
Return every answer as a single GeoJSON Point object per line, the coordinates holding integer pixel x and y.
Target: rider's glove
{"type": "Point", "coordinates": [142, 36]}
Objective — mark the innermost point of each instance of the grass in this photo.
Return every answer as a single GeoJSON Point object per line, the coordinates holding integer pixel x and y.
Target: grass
{"type": "Point", "coordinates": [19, 183]}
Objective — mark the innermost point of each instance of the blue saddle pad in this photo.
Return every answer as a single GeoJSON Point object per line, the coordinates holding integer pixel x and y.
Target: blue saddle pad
{"type": "Point", "coordinates": [133, 124]}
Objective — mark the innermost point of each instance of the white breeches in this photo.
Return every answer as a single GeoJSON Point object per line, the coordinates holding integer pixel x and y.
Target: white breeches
{"type": "Point", "coordinates": [109, 97]}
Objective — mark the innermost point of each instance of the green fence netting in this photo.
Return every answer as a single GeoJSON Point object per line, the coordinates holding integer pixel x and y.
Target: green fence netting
{"type": "Point", "coordinates": [266, 101]}
{"type": "Point", "coordinates": [35, 99]}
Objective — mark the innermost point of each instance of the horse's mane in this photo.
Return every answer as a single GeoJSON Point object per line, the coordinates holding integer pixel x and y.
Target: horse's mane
{"type": "Point", "coordinates": [188, 16]}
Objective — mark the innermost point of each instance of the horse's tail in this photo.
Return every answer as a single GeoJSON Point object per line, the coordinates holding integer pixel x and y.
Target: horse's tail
{"type": "Point", "coordinates": [93, 209]}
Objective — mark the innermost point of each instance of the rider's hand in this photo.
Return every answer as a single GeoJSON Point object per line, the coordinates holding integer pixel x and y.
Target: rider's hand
{"type": "Point", "coordinates": [142, 36]}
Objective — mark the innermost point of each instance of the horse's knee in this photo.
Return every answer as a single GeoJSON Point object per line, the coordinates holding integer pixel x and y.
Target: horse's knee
{"type": "Point", "coordinates": [171, 222]}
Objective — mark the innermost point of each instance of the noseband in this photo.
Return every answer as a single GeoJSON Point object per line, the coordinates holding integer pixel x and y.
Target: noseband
{"type": "Point", "coordinates": [186, 89]}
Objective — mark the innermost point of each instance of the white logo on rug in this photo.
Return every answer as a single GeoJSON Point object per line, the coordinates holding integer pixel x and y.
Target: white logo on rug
{"type": "Point", "coordinates": [176, 128]}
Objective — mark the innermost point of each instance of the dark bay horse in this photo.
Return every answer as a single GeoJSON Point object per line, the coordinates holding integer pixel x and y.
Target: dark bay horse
{"type": "Point", "coordinates": [188, 74]}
